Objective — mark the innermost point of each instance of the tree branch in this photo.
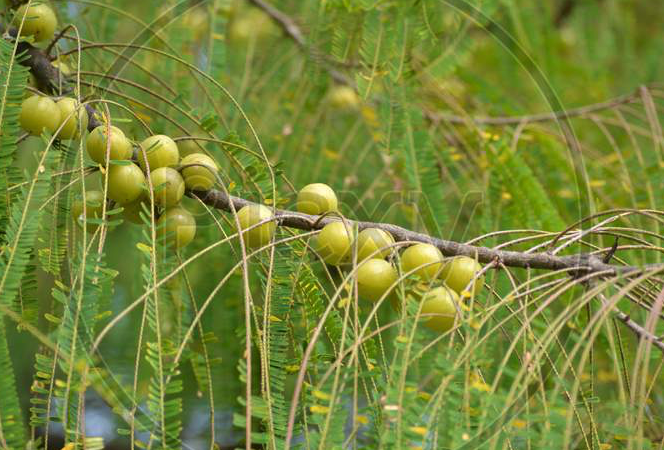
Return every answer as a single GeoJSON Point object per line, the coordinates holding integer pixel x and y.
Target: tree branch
{"type": "Point", "coordinates": [579, 264]}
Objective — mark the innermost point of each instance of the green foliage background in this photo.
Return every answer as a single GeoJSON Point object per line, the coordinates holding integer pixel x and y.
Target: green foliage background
{"type": "Point", "coordinates": [156, 341]}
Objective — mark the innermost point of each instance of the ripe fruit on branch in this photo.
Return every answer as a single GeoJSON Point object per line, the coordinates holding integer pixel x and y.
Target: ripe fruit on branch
{"type": "Point", "coordinates": [249, 216]}
{"type": "Point", "coordinates": [39, 114]}
{"type": "Point", "coordinates": [168, 186]}
{"type": "Point", "coordinates": [458, 272]}
{"type": "Point", "coordinates": [161, 151]}
{"type": "Point", "coordinates": [334, 242]}
{"type": "Point", "coordinates": [374, 278]}
{"type": "Point", "coordinates": [202, 177]}
{"type": "Point", "coordinates": [126, 182]}
{"type": "Point", "coordinates": [425, 256]}
{"type": "Point", "coordinates": [442, 301]}
{"type": "Point", "coordinates": [96, 144]}
{"type": "Point", "coordinates": [372, 239]}
{"type": "Point", "coordinates": [40, 21]}
{"type": "Point", "coordinates": [177, 227]}
{"type": "Point", "coordinates": [316, 198]}
{"type": "Point", "coordinates": [74, 116]}
{"type": "Point", "coordinates": [94, 206]}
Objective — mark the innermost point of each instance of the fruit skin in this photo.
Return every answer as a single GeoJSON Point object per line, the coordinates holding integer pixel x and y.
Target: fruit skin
{"type": "Point", "coordinates": [187, 147]}
{"type": "Point", "coordinates": [371, 239]}
{"type": "Point", "coordinates": [40, 22]}
{"type": "Point", "coordinates": [94, 206]}
{"type": "Point", "coordinates": [441, 300]}
{"type": "Point", "coordinates": [459, 271]}
{"type": "Point", "coordinates": [178, 227]}
{"type": "Point", "coordinates": [316, 199]}
{"type": "Point", "coordinates": [420, 254]}
{"type": "Point", "coordinates": [374, 278]}
{"type": "Point", "coordinates": [198, 178]}
{"type": "Point", "coordinates": [168, 186]}
{"type": "Point", "coordinates": [74, 116]}
{"type": "Point", "coordinates": [334, 243]}
{"type": "Point", "coordinates": [161, 151]}
{"type": "Point", "coordinates": [96, 145]}
{"type": "Point", "coordinates": [262, 235]}
{"type": "Point", "coordinates": [39, 113]}
{"type": "Point", "coordinates": [125, 183]}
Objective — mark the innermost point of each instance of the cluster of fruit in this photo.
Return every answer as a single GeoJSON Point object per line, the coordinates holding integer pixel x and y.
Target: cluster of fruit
{"type": "Point", "coordinates": [377, 276]}
{"type": "Point", "coordinates": [128, 183]}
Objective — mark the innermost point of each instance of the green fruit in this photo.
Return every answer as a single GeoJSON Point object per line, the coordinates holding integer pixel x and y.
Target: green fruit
{"type": "Point", "coordinates": [441, 301]}
{"type": "Point", "coordinates": [259, 236]}
{"type": "Point", "coordinates": [161, 151]}
{"type": "Point", "coordinates": [168, 186]}
{"type": "Point", "coordinates": [126, 183]}
{"type": "Point", "coordinates": [371, 240]}
{"type": "Point", "coordinates": [374, 278]}
{"type": "Point", "coordinates": [96, 144]}
{"type": "Point", "coordinates": [177, 227]}
{"type": "Point", "coordinates": [132, 211]}
{"type": "Point", "coordinates": [199, 178]}
{"type": "Point", "coordinates": [188, 146]}
{"type": "Point", "coordinates": [74, 116]}
{"type": "Point", "coordinates": [426, 257]}
{"type": "Point", "coordinates": [458, 272]}
{"type": "Point", "coordinates": [94, 206]}
{"type": "Point", "coordinates": [39, 114]}
{"type": "Point", "coordinates": [334, 243]}
{"type": "Point", "coordinates": [316, 198]}
{"type": "Point", "coordinates": [40, 22]}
